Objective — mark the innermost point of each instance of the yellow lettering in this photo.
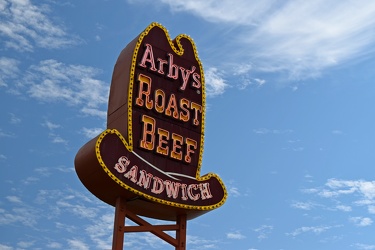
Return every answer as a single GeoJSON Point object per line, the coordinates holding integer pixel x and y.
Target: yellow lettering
{"type": "Point", "coordinates": [148, 137]}
{"type": "Point", "coordinates": [176, 152]}
{"type": "Point", "coordinates": [162, 147]}
{"type": "Point", "coordinates": [172, 104]}
{"type": "Point", "coordinates": [144, 82]}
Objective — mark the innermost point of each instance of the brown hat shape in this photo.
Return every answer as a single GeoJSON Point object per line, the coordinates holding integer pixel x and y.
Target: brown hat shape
{"type": "Point", "coordinates": [151, 152]}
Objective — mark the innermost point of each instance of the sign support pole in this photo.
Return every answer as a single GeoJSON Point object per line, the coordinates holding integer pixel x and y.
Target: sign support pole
{"type": "Point", "coordinates": [119, 224]}
{"type": "Point", "coordinates": [120, 229]}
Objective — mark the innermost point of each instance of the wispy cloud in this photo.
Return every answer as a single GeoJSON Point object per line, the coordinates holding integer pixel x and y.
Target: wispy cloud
{"type": "Point", "coordinates": [25, 26]}
{"type": "Point", "coordinates": [5, 134]}
{"type": "Point", "coordinates": [243, 72]}
{"type": "Point", "coordinates": [241, 13]}
{"type": "Point", "coordinates": [233, 191]}
{"type": "Point", "coordinates": [100, 231]}
{"type": "Point", "coordinates": [81, 210]}
{"type": "Point", "coordinates": [344, 208]}
{"type": "Point", "coordinates": [51, 80]}
{"type": "Point", "coordinates": [50, 125]}
{"type": "Point", "coordinates": [362, 246]}
{"type": "Point", "coordinates": [361, 221]}
{"type": "Point", "coordinates": [54, 245]}
{"type": "Point", "coordinates": [197, 242]}
{"type": "Point", "coordinates": [235, 235]}
{"type": "Point", "coordinates": [25, 244]}
{"type": "Point", "coordinates": [263, 231]}
{"type": "Point", "coordinates": [54, 137]}
{"type": "Point", "coordinates": [345, 196]}
{"type": "Point", "coordinates": [215, 83]}
{"type": "Point", "coordinates": [8, 70]}
{"type": "Point", "coordinates": [77, 244]}
{"type": "Point", "coordinates": [92, 132]}
{"type": "Point", "coordinates": [336, 187]}
{"type": "Point", "coordinates": [303, 205]}
{"type": "Point", "coordinates": [265, 131]}
{"type": "Point", "coordinates": [311, 229]}
{"type": "Point", "coordinates": [14, 199]}
{"type": "Point", "coordinates": [75, 85]}
{"type": "Point", "coordinates": [5, 247]}
{"type": "Point", "coordinates": [57, 139]}
{"type": "Point", "coordinates": [295, 36]}
{"type": "Point", "coordinates": [26, 216]}
{"type": "Point", "coordinates": [14, 119]}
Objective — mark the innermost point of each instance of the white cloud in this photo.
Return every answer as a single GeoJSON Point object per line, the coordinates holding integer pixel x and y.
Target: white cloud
{"type": "Point", "coordinates": [94, 112]}
{"type": "Point", "coordinates": [196, 242]}
{"type": "Point", "coordinates": [295, 36]}
{"type": "Point", "coordinates": [14, 199]}
{"type": "Point", "coordinates": [78, 209]}
{"type": "Point", "coordinates": [25, 244]}
{"type": "Point", "coordinates": [144, 241]}
{"type": "Point", "coordinates": [303, 205]}
{"type": "Point", "coordinates": [65, 169]}
{"type": "Point", "coordinates": [43, 171]}
{"type": "Point", "coordinates": [342, 187]}
{"type": "Point", "coordinates": [263, 231]}
{"type": "Point", "coordinates": [305, 37]}
{"type": "Point", "coordinates": [100, 231]}
{"type": "Point", "coordinates": [14, 119]}
{"type": "Point", "coordinates": [345, 194]}
{"type": "Point", "coordinates": [53, 81]}
{"type": "Point", "coordinates": [8, 70]}
{"type": "Point", "coordinates": [92, 132]}
{"type": "Point", "coordinates": [24, 215]}
{"type": "Point", "coordinates": [5, 247]}
{"type": "Point", "coordinates": [263, 131]}
{"type": "Point", "coordinates": [371, 209]}
{"type": "Point", "coordinates": [58, 140]}
{"type": "Point", "coordinates": [54, 245]}
{"type": "Point", "coordinates": [344, 208]}
{"type": "Point", "coordinates": [215, 83]}
{"type": "Point", "coordinates": [5, 134]}
{"type": "Point", "coordinates": [50, 125]}
{"type": "Point", "coordinates": [25, 26]}
{"type": "Point", "coordinates": [246, 80]}
{"type": "Point", "coordinates": [233, 191]}
{"type": "Point", "coordinates": [235, 236]}
{"type": "Point", "coordinates": [361, 221]}
{"type": "Point", "coordinates": [364, 246]}
{"type": "Point", "coordinates": [77, 244]}
{"type": "Point", "coordinates": [30, 180]}
{"type": "Point", "coordinates": [224, 11]}
{"type": "Point", "coordinates": [315, 230]}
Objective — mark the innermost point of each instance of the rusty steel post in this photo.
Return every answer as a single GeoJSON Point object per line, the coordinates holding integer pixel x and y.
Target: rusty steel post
{"type": "Point", "coordinates": [119, 224]}
{"type": "Point", "coordinates": [181, 232]}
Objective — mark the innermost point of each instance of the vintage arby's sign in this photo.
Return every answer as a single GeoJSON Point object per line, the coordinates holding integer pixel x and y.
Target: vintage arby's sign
{"type": "Point", "coordinates": [151, 152]}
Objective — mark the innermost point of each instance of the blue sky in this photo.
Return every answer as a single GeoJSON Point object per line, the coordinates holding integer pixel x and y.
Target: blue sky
{"type": "Point", "coordinates": [289, 123]}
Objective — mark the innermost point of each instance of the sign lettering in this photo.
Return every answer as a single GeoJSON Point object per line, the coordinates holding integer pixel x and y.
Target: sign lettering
{"type": "Point", "coordinates": [151, 152]}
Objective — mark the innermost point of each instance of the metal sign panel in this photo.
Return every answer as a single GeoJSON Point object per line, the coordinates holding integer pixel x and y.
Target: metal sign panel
{"type": "Point", "coordinates": [151, 152]}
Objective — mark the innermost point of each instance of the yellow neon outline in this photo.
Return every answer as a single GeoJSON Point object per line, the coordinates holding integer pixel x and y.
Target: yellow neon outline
{"type": "Point", "coordinates": [179, 51]}
{"type": "Point", "coordinates": [149, 197]}
{"type": "Point", "coordinates": [129, 145]}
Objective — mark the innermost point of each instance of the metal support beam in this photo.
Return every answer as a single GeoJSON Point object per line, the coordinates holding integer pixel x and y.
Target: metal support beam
{"type": "Point", "coordinates": [120, 229]}
{"type": "Point", "coordinates": [119, 224]}
{"type": "Point", "coordinates": [181, 232]}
